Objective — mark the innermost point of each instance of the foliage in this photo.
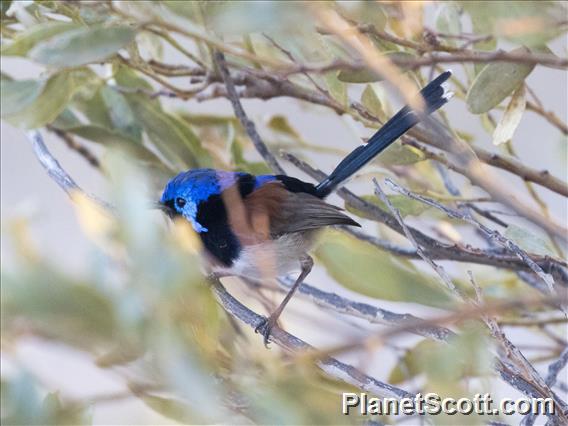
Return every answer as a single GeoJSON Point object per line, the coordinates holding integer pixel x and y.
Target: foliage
{"type": "Point", "coordinates": [108, 78]}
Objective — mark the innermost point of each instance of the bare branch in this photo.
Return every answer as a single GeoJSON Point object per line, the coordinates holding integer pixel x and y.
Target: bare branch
{"type": "Point", "coordinates": [291, 343]}
{"type": "Point", "coordinates": [435, 249]}
{"type": "Point", "coordinates": [243, 118]}
{"type": "Point", "coordinates": [493, 234]}
{"type": "Point", "coordinates": [440, 271]}
{"type": "Point", "coordinates": [365, 311]}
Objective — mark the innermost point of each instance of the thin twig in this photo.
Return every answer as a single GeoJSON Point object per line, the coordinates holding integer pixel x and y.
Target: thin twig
{"type": "Point", "coordinates": [291, 343]}
{"type": "Point", "coordinates": [361, 310]}
{"type": "Point", "coordinates": [82, 150]}
{"type": "Point", "coordinates": [440, 271]}
{"type": "Point", "coordinates": [247, 124]}
{"type": "Point", "coordinates": [493, 234]}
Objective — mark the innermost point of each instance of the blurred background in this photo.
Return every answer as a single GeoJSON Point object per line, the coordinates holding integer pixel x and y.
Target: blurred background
{"type": "Point", "coordinates": [109, 322]}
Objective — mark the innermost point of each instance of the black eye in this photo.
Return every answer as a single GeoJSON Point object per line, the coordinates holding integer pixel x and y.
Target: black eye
{"type": "Point", "coordinates": [180, 202]}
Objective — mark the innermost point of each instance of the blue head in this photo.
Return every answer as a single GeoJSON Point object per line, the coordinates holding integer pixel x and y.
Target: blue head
{"type": "Point", "coordinates": [183, 194]}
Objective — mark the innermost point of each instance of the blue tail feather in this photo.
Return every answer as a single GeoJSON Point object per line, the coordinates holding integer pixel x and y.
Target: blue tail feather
{"type": "Point", "coordinates": [434, 95]}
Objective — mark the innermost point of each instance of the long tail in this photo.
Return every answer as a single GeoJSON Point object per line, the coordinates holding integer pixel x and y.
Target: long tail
{"type": "Point", "coordinates": [435, 96]}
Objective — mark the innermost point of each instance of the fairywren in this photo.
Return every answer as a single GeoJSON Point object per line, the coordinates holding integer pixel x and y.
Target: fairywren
{"type": "Point", "coordinates": [252, 226]}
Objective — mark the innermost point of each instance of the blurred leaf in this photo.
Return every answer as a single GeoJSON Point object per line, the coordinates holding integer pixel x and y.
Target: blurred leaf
{"type": "Point", "coordinates": [511, 117]}
{"type": "Point", "coordinates": [370, 100]}
{"type": "Point", "coordinates": [400, 155]}
{"type": "Point", "coordinates": [46, 106]}
{"type": "Point", "coordinates": [370, 12]}
{"type": "Point", "coordinates": [82, 46]}
{"type": "Point", "coordinates": [366, 75]}
{"type": "Point", "coordinates": [207, 119]}
{"type": "Point", "coordinates": [359, 267]}
{"type": "Point", "coordinates": [18, 94]}
{"type": "Point", "coordinates": [120, 113]}
{"type": "Point", "coordinates": [185, 9]}
{"type": "Point", "coordinates": [21, 404]}
{"type": "Point", "coordinates": [74, 313]}
{"type": "Point", "coordinates": [412, 363]}
{"type": "Point", "coordinates": [337, 89]}
{"type": "Point", "coordinates": [528, 241]}
{"type": "Point", "coordinates": [448, 20]}
{"type": "Point", "coordinates": [39, 33]}
{"type": "Point", "coordinates": [111, 138]}
{"type": "Point", "coordinates": [230, 18]}
{"type": "Point", "coordinates": [171, 135]}
{"type": "Point", "coordinates": [281, 124]}
{"type": "Point", "coordinates": [127, 77]}
{"type": "Point", "coordinates": [495, 82]}
{"type": "Point", "coordinates": [463, 356]}
{"type": "Point", "coordinates": [527, 23]}
{"type": "Point", "coordinates": [61, 414]}
{"type": "Point", "coordinates": [93, 107]}
{"type": "Point", "coordinates": [170, 408]}
{"type": "Point", "coordinates": [406, 206]}
{"type": "Point", "coordinates": [4, 6]}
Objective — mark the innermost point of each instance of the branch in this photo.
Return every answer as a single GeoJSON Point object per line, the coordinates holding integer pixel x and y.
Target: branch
{"type": "Point", "coordinates": [71, 143]}
{"type": "Point", "coordinates": [331, 366]}
{"type": "Point", "coordinates": [491, 233]}
{"type": "Point", "coordinates": [433, 248]}
{"type": "Point", "coordinates": [440, 271]}
{"type": "Point", "coordinates": [247, 124]}
{"type": "Point", "coordinates": [365, 311]}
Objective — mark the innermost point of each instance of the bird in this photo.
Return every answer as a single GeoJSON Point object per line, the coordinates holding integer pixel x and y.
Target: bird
{"type": "Point", "coordinates": [254, 226]}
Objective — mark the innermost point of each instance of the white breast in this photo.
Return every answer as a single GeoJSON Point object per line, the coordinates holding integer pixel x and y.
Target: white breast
{"type": "Point", "coordinates": [271, 259]}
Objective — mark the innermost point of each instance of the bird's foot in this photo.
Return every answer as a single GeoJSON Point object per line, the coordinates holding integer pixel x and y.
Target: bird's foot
{"type": "Point", "coordinates": [264, 328]}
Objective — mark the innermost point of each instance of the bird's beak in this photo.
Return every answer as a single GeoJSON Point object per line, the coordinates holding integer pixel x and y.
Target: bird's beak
{"type": "Point", "coordinates": [158, 205]}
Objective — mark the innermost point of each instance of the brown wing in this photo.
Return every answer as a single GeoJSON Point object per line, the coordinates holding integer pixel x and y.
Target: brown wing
{"type": "Point", "coordinates": [273, 210]}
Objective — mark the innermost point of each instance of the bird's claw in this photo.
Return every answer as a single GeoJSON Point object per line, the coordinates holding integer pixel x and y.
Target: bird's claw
{"type": "Point", "coordinates": [264, 328]}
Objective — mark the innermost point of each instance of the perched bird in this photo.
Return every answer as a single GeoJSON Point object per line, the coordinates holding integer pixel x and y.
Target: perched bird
{"type": "Point", "coordinates": [255, 226]}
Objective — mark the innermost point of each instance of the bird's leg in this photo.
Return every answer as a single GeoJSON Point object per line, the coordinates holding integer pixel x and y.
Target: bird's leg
{"type": "Point", "coordinates": [264, 328]}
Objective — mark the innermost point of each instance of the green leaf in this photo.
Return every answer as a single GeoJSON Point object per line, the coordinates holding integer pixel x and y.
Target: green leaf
{"type": "Point", "coordinates": [4, 6]}
{"type": "Point", "coordinates": [528, 241]}
{"type": "Point", "coordinates": [337, 88]}
{"type": "Point", "coordinates": [18, 94]}
{"type": "Point", "coordinates": [406, 206]}
{"type": "Point", "coordinates": [171, 135]}
{"type": "Point", "coordinates": [400, 155]}
{"type": "Point", "coordinates": [495, 82]}
{"type": "Point", "coordinates": [463, 356]}
{"type": "Point", "coordinates": [363, 75]}
{"type": "Point", "coordinates": [82, 46]}
{"type": "Point", "coordinates": [511, 117]}
{"type": "Point", "coordinates": [370, 100]}
{"type": "Point", "coordinates": [120, 113]}
{"type": "Point", "coordinates": [92, 106]}
{"type": "Point", "coordinates": [448, 20]}
{"type": "Point", "coordinates": [33, 35]}
{"type": "Point", "coordinates": [230, 18]}
{"type": "Point", "coordinates": [363, 269]}
{"type": "Point", "coordinates": [366, 75]}
{"type": "Point", "coordinates": [170, 408]}
{"type": "Point", "coordinates": [412, 363]}
{"type": "Point", "coordinates": [109, 137]}
{"type": "Point", "coordinates": [281, 124]}
{"type": "Point", "coordinates": [528, 23]}
{"type": "Point", "coordinates": [46, 106]}
{"type": "Point", "coordinates": [75, 313]}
